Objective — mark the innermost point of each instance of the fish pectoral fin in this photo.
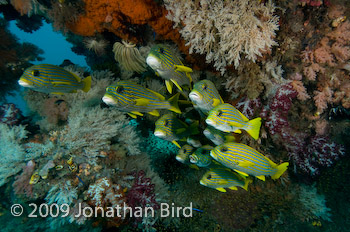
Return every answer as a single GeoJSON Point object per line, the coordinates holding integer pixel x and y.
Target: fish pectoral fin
{"type": "Point", "coordinates": [57, 93]}
{"type": "Point", "coordinates": [141, 102]}
{"type": "Point", "coordinates": [177, 85]}
{"type": "Point", "coordinates": [60, 83]}
{"type": "Point", "coordinates": [136, 113]}
{"type": "Point", "coordinates": [181, 130]}
{"type": "Point", "coordinates": [238, 131]}
{"type": "Point", "coordinates": [261, 178]}
{"type": "Point", "coordinates": [221, 190]}
{"type": "Point", "coordinates": [182, 68]}
{"type": "Point", "coordinates": [230, 138]}
{"type": "Point", "coordinates": [233, 188]}
{"type": "Point", "coordinates": [169, 86]}
{"type": "Point", "coordinates": [154, 113]}
{"type": "Point", "coordinates": [193, 166]}
{"type": "Point", "coordinates": [176, 143]}
{"type": "Point", "coordinates": [132, 115]}
{"type": "Point", "coordinates": [222, 182]}
{"type": "Point", "coordinates": [241, 173]}
{"type": "Point", "coordinates": [216, 102]}
{"type": "Point", "coordinates": [245, 164]}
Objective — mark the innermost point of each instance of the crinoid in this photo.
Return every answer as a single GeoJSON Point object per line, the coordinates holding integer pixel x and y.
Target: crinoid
{"type": "Point", "coordinates": [129, 57]}
{"type": "Point", "coordinates": [95, 45]}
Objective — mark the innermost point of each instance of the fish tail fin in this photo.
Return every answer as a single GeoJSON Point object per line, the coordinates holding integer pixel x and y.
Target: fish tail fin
{"type": "Point", "coordinates": [254, 127]}
{"type": "Point", "coordinates": [86, 84]}
{"type": "Point", "coordinates": [173, 103]}
{"type": "Point", "coordinates": [280, 170]}
{"type": "Point", "coordinates": [246, 183]}
{"type": "Point", "coordinates": [193, 128]}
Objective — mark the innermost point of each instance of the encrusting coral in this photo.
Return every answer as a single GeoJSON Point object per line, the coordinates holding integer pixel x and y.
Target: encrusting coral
{"type": "Point", "coordinates": [225, 30]}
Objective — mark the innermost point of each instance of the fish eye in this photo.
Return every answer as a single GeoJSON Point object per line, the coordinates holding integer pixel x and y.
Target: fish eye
{"type": "Point", "coordinates": [119, 89]}
{"type": "Point", "coordinates": [224, 149]}
{"type": "Point", "coordinates": [204, 87]}
{"type": "Point", "coordinates": [209, 177]}
{"type": "Point", "coordinates": [219, 113]}
{"type": "Point", "coordinates": [161, 50]}
{"type": "Point", "coordinates": [166, 123]}
{"type": "Point", "coordinates": [185, 150]}
{"type": "Point", "coordinates": [35, 73]}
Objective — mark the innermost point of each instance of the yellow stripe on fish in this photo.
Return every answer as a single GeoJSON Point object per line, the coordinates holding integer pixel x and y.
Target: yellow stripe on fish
{"type": "Point", "coordinates": [49, 78]}
{"type": "Point", "coordinates": [227, 118]}
{"type": "Point", "coordinates": [221, 178]}
{"type": "Point", "coordinates": [246, 160]}
{"type": "Point", "coordinates": [205, 96]}
{"type": "Point", "coordinates": [169, 67]}
{"type": "Point", "coordinates": [131, 97]}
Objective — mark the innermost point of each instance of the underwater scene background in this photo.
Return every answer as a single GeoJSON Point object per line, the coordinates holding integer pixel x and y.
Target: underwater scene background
{"type": "Point", "coordinates": [200, 115]}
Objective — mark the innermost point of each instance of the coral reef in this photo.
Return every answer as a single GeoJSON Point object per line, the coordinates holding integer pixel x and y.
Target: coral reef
{"type": "Point", "coordinates": [10, 114]}
{"type": "Point", "coordinates": [12, 158]}
{"type": "Point", "coordinates": [224, 31]}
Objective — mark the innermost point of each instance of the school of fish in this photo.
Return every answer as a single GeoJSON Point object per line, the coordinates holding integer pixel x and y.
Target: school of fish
{"type": "Point", "coordinates": [228, 163]}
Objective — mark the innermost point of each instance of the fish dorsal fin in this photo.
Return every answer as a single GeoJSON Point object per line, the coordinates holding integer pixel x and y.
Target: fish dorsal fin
{"type": "Point", "coordinates": [221, 190]}
{"type": "Point", "coordinates": [261, 178]}
{"type": "Point", "coordinates": [177, 85]}
{"type": "Point", "coordinates": [169, 86]}
{"type": "Point", "coordinates": [241, 173]}
{"type": "Point", "coordinates": [154, 113]}
{"type": "Point", "coordinates": [141, 101]}
{"type": "Point", "coordinates": [176, 143]}
{"type": "Point", "coordinates": [161, 97]}
{"type": "Point", "coordinates": [182, 68]}
{"type": "Point", "coordinates": [233, 188]}
{"type": "Point", "coordinates": [216, 102]}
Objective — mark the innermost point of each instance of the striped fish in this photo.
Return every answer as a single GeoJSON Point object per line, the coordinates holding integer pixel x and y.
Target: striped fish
{"type": "Point", "coordinates": [183, 156]}
{"type": "Point", "coordinates": [169, 67]}
{"type": "Point", "coordinates": [172, 129]}
{"type": "Point", "coordinates": [48, 78]}
{"type": "Point", "coordinates": [217, 136]}
{"type": "Point", "coordinates": [201, 156]}
{"type": "Point", "coordinates": [246, 160]}
{"type": "Point", "coordinates": [205, 96]}
{"type": "Point", "coordinates": [184, 153]}
{"type": "Point", "coordinates": [227, 118]}
{"type": "Point", "coordinates": [133, 98]}
{"type": "Point", "coordinates": [221, 178]}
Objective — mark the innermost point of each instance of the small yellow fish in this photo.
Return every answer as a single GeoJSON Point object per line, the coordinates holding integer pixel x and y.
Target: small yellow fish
{"type": "Point", "coordinates": [48, 78]}
{"type": "Point", "coordinates": [227, 118]}
{"type": "Point", "coordinates": [169, 67]}
{"type": "Point", "coordinates": [246, 160]}
{"type": "Point", "coordinates": [221, 178]}
{"type": "Point", "coordinates": [34, 178]}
